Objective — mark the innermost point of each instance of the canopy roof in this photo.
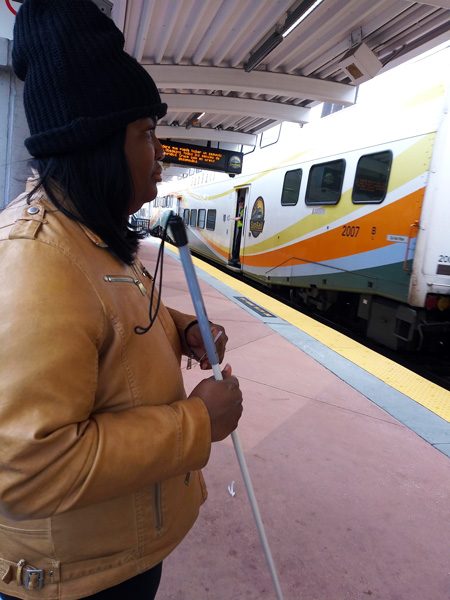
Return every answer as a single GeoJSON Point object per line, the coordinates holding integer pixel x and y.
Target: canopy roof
{"type": "Point", "coordinates": [232, 59]}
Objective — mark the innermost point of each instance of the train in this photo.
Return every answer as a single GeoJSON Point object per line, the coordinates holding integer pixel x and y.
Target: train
{"type": "Point", "coordinates": [351, 210]}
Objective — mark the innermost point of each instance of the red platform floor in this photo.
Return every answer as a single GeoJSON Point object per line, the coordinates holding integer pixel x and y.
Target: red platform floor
{"type": "Point", "coordinates": [355, 505]}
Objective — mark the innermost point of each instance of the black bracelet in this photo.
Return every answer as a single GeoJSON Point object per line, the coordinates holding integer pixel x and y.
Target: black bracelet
{"type": "Point", "coordinates": [191, 324]}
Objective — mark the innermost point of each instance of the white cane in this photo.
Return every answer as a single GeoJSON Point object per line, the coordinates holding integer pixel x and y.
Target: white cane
{"type": "Point", "coordinates": [179, 235]}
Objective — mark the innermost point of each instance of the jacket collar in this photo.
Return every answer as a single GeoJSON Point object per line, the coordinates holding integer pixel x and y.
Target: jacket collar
{"type": "Point", "coordinates": [97, 240]}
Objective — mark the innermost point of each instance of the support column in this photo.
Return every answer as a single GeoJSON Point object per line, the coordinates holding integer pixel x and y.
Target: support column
{"type": "Point", "coordinates": [14, 157]}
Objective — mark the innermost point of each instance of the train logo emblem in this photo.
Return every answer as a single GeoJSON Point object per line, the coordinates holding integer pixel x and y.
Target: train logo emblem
{"type": "Point", "coordinates": [257, 218]}
{"type": "Point", "coordinates": [235, 164]}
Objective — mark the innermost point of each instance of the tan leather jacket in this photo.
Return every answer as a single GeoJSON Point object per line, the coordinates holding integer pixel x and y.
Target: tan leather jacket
{"type": "Point", "coordinates": [99, 447]}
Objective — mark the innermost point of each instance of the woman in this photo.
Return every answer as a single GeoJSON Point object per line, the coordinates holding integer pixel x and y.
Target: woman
{"type": "Point", "coordinates": [100, 449]}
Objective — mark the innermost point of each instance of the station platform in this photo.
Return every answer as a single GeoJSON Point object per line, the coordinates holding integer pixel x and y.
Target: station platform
{"type": "Point", "coordinates": [350, 468]}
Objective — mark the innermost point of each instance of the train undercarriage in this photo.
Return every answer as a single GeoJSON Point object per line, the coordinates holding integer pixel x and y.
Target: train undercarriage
{"type": "Point", "coordinates": [383, 320]}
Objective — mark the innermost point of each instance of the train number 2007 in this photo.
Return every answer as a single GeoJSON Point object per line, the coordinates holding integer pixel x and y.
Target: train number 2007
{"type": "Point", "coordinates": [350, 230]}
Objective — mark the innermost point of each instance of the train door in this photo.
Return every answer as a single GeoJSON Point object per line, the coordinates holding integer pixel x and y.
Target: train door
{"type": "Point", "coordinates": [237, 232]}
{"type": "Point", "coordinates": [179, 209]}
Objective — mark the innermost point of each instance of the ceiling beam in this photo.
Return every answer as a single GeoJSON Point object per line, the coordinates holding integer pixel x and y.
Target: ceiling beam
{"type": "Point", "coordinates": [199, 133]}
{"type": "Point", "coordinates": [439, 3]}
{"type": "Point", "coordinates": [256, 82]}
{"type": "Point", "coordinates": [143, 27]}
{"type": "Point", "coordinates": [236, 106]}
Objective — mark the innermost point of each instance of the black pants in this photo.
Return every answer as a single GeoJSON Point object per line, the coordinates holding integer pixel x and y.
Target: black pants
{"type": "Point", "coordinates": [141, 587]}
{"type": "Point", "coordinates": [237, 244]}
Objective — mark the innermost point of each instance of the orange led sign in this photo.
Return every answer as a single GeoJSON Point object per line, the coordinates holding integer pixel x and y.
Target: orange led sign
{"type": "Point", "coordinates": [202, 157]}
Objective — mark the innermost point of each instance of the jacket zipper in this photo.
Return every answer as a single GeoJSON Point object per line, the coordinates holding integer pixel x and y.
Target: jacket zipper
{"type": "Point", "coordinates": [114, 279]}
{"type": "Point", "coordinates": [139, 269]}
{"type": "Point", "coordinates": [157, 509]}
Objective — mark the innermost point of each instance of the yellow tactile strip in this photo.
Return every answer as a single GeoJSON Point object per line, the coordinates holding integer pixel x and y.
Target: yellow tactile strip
{"type": "Point", "coordinates": [428, 394]}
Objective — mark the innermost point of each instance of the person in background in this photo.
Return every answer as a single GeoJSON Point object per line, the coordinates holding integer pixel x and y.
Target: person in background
{"type": "Point", "coordinates": [100, 448]}
{"type": "Point", "coordinates": [238, 233]}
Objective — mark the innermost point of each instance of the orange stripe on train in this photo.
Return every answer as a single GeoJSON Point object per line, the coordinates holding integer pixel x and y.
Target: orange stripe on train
{"type": "Point", "coordinates": [210, 243]}
{"type": "Point", "coordinates": [366, 233]}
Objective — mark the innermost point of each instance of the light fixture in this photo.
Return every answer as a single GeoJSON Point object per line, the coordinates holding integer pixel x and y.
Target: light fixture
{"type": "Point", "coordinates": [265, 49]}
{"type": "Point", "coordinates": [294, 19]}
{"type": "Point", "coordinates": [194, 119]}
{"type": "Point", "coordinates": [299, 15]}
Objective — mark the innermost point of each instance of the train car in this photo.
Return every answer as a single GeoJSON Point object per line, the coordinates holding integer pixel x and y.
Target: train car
{"type": "Point", "coordinates": [151, 219]}
{"type": "Point", "coordinates": [353, 208]}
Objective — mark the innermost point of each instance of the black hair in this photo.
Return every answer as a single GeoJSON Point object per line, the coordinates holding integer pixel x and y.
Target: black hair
{"type": "Point", "coordinates": [96, 187]}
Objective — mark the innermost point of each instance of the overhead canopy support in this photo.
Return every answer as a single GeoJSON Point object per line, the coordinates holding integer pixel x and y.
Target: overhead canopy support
{"type": "Point", "coordinates": [236, 106]}
{"type": "Point", "coordinates": [439, 3]}
{"type": "Point", "coordinates": [213, 135]}
{"type": "Point", "coordinates": [256, 82]}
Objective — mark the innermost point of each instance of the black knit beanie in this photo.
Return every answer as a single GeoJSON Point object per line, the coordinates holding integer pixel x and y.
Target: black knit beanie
{"type": "Point", "coordinates": [80, 85]}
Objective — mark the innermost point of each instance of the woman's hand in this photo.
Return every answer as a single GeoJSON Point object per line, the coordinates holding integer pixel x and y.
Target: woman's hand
{"type": "Point", "coordinates": [223, 400]}
{"type": "Point", "coordinates": [196, 345]}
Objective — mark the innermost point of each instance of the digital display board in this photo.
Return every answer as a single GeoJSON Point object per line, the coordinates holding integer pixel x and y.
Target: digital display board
{"type": "Point", "coordinates": [201, 157]}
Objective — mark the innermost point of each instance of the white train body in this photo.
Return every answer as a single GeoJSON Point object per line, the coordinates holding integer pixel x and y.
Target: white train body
{"type": "Point", "coordinates": [363, 210]}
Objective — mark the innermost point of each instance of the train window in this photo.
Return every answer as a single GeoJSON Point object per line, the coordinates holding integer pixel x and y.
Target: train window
{"type": "Point", "coordinates": [193, 221]}
{"type": "Point", "coordinates": [201, 218]}
{"type": "Point", "coordinates": [186, 216]}
{"type": "Point", "coordinates": [371, 179]}
{"type": "Point", "coordinates": [325, 182]}
{"type": "Point", "coordinates": [211, 219]}
{"type": "Point", "coordinates": [291, 187]}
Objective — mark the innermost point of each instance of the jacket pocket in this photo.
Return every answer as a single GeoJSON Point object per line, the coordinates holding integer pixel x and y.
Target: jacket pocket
{"type": "Point", "coordinates": [27, 542]}
{"type": "Point", "coordinates": [125, 279]}
{"type": "Point", "coordinates": [157, 509]}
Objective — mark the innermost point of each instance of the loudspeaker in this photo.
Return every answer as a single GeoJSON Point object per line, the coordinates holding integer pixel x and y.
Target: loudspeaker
{"type": "Point", "coordinates": [360, 64]}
